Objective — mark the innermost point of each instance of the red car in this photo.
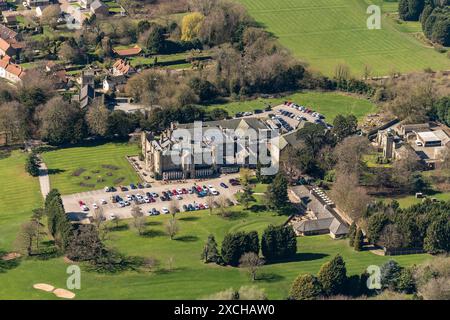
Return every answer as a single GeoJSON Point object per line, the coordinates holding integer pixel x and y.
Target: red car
{"type": "Point", "coordinates": [81, 203]}
{"type": "Point", "coordinates": [199, 189]}
{"type": "Point", "coordinates": [184, 190]}
{"type": "Point", "coordinates": [174, 192]}
{"type": "Point", "coordinates": [152, 199]}
{"type": "Point", "coordinates": [201, 205]}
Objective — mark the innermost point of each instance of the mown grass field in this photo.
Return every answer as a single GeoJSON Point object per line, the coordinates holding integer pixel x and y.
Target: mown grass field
{"type": "Point", "coordinates": [330, 104]}
{"type": "Point", "coordinates": [104, 165]}
{"type": "Point", "coordinates": [19, 195]}
{"type": "Point", "coordinates": [325, 33]}
{"type": "Point", "coordinates": [189, 278]}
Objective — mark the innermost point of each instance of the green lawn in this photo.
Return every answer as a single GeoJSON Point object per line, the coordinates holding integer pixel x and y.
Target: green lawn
{"type": "Point", "coordinates": [406, 202]}
{"type": "Point", "coordinates": [325, 33]}
{"type": "Point", "coordinates": [190, 278]}
{"type": "Point", "coordinates": [84, 168]}
{"type": "Point", "coordinates": [330, 104]}
{"type": "Point", "coordinates": [19, 194]}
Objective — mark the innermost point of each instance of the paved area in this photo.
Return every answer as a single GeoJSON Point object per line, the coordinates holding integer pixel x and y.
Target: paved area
{"type": "Point", "coordinates": [293, 122]}
{"type": "Point", "coordinates": [89, 198]}
{"type": "Point", "coordinates": [44, 180]}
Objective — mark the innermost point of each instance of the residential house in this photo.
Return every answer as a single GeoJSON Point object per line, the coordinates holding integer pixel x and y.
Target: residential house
{"type": "Point", "coordinates": [99, 8]}
{"type": "Point", "coordinates": [122, 67]}
{"type": "Point", "coordinates": [111, 83]}
{"type": "Point", "coordinates": [10, 71]}
{"type": "Point", "coordinates": [7, 33]}
{"type": "Point", "coordinates": [6, 49]}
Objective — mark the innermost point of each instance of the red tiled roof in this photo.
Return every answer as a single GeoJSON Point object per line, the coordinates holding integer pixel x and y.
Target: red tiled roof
{"type": "Point", "coordinates": [128, 52]}
{"type": "Point", "coordinates": [122, 66]}
{"type": "Point", "coordinates": [13, 68]}
{"type": "Point", "coordinates": [4, 45]}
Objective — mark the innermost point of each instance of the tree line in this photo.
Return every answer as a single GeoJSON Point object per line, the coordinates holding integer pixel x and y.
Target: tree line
{"type": "Point", "coordinates": [434, 16]}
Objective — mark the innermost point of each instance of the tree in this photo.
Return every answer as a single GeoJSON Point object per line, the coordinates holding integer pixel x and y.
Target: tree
{"type": "Point", "coordinates": [278, 242]}
{"type": "Point", "coordinates": [251, 261]}
{"type": "Point", "coordinates": [375, 226]}
{"type": "Point", "coordinates": [172, 227]}
{"type": "Point", "coordinates": [58, 222]}
{"type": "Point", "coordinates": [61, 122]}
{"type": "Point", "coordinates": [69, 52]}
{"type": "Point", "coordinates": [437, 239]}
{"type": "Point", "coordinates": [153, 39]}
{"type": "Point", "coordinates": [246, 195]}
{"type": "Point", "coordinates": [97, 118]}
{"type": "Point", "coordinates": [85, 244]}
{"type": "Point", "coordinates": [210, 202]}
{"type": "Point", "coordinates": [359, 240]}
{"type": "Point", "coordinates": [138, 219]}
{"type": "Point", "coordinates": [13, 122]}
{"type": "Point", "coordinates": [344, 126]}
{"type": "Point", "coordinates": [410, 10]}
{"type": "Point", "coordinates": [406, 282]}
{"type": "Point", "coordinates": [210, 252]}
{"type": "Point", "coordinates": [351, 234]}
{"type": "Point", "coordinates": [25, 238]}
{"type": "Point", "coordinates": [191, 26]}
{"type": "Point", "coordinates": [305, 287]}
{"type": "Point", "coordinates": [390, 273]}
{"type": "Point", "coordinates": [277, 192]}
{"type": "Point", "coordinates": [36, 218]}
{"type": "Point", "coordinates": [333, 276]}
{"type": "Point", "coordinates": [234, 245]}
{"type": "Point", "coordinates": [32, 165]}
{"type": "Point", "coordinates": [50, 16]}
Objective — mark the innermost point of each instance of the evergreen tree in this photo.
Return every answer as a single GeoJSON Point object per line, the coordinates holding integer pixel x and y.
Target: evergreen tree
{"type": "Point", "coordinates": [333, 276]}
{"type": "Point", "coordinates": [390, 273]}
{"type": "Point", "coordinates": [305, 287]}
{"type": "Point", "coordinates": [210, 252]}
{"type": "Point", "coordinates": [246, 196]}
{"type": "Point", "coordinates": [437, 239]}
{"type": "Point", "coordinates": [278, 242]}
{"type": "Point", "coordinates": [359, 240]}
{"type": "Point", "coordinates": [32, 165]}
{"type": "Point", "coordinates": [234, 245]}
{"type": "Point", "coordinates": [351, 234]}
{"type": "Point", "coordinates": [277, 193]}
{"type": "Point", "coordinates": [406, 282]}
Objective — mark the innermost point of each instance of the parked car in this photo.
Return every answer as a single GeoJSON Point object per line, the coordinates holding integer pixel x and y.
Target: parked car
{"type": "Point", "coordinates": [132, 186]}
{"type": "Point", "coordinates": [164, 210]}
{"type": "Point", "coordinates": [103, 201]}
{"type": "Point", "coordinates": [223, 185]}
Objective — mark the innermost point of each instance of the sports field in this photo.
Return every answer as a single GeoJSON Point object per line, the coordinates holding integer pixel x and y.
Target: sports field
{"type": "Point", "coordinates": [330, 104]}
{"type": "Point", "coordinates": [90, 167]}
{"type": "Point", "coordinates": [325, 33]}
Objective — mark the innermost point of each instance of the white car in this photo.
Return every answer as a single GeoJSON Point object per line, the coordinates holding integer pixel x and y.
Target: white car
{"type": "Point", "coordinates": [179, 191]}
{"type": "Point", "coordinates": [95, 206]}
{"type": "Point", "coordinates": [112, 216]}
{"type": "Point", "coordinates": [419, 143]}
{"type": "Point", "coordinates": [164, 210]}
{"type": "Point", "coordinates": [214, 192]}
{"type": "Point", "coordinates": [103, 201]}
{"type": "Point", "coordinates": [139, 197]}
{"type": "Point", "coordinates": [121, 204]}
{"type": "Point", "coordinates": [129, 198]}
{"type": "Point", "coordinates": [146, 199]}
{"type": "Point", "coordinates": [84, 207]}
{"type": "Point", "coordinates": [206, 206]}
{"type": "Point", "coordinates": [179, 197]}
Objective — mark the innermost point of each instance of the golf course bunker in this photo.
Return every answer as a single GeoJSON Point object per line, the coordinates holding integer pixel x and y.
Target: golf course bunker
{"type": "Point", "coordinates": [44, 287]}
{"type": "Point", "coordinates": [63, 293]}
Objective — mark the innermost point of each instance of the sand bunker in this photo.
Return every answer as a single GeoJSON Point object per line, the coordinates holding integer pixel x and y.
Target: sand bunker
{"type": "Point", "coordinates": [62, 293]}
{"type": "Point", "coordinates": [44, 287]}
{"type": "Point", "coordinates": [11, 256]}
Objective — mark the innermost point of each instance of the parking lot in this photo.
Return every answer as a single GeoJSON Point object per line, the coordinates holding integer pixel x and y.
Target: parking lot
{"type": "Point", "coordinates": [73, 207]}
{"type": "Point", "coordinates": [291, 114]}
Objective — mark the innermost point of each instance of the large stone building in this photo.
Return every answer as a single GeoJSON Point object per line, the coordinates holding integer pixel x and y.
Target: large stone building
{"type": "Point", "coordinates": [427, 141]}
{"type": "Point", "coordinates": [214, 146]}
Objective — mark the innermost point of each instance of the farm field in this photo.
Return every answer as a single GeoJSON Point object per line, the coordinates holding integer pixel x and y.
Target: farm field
{"type": "Point", "coordinates": [181, 282]}
{"type": "Point", "coordinates": [328, 104]}
{"type": "Point", "coordinates": [325, 33]}
{"type": "Point", "coordinates": [19, 195]}
{"type": "Point", "coordinates": [90, 167]}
